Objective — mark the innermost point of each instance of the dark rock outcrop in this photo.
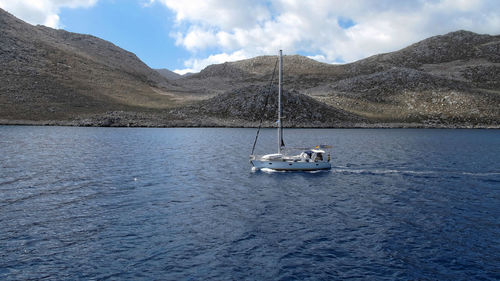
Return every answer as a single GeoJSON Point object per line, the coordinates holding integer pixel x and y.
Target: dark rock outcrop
{"type": "Point", "coordinates": [254, 103]}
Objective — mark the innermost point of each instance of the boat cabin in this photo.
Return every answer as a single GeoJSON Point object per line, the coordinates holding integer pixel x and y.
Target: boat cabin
{"type": "Point", "coordinates": [313, 155]}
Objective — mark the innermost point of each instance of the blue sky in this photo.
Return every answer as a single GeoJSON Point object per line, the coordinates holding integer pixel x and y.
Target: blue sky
{"type": "Point", "coordinates": [143, 30]}
{"type": "Point", "coordinates": [188, 35]}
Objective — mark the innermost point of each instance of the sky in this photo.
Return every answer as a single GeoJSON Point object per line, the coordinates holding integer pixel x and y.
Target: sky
{"type": "Point", "coordinates": [188, 35]}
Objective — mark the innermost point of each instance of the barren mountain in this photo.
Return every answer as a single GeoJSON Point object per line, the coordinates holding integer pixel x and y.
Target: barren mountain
{"type": "Point", "coordinates": [48, 74]}
{"type": "Point", "coordinates": [447, 79]}
{"type": "Point", "coordinates": [52, 76]}
{"type": "Point", "coordinates": [170, 75]}
{"type": "Point", "coordinates": [247, 106]}
{"type": "Point", "coordinates": [299, 72]}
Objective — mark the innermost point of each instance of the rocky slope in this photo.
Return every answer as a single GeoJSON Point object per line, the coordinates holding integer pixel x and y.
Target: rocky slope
{"type": "Point", "coordinates": [299, 73]}
{"type": "Point", "coordinates": [52, 76]}
{"type": "Point", "coordinates": [451, 79]}
{"type": "Point", "coordinates": [48, 74]}
{"type": "Point", "coordinates": [251, 104]}
{"type": "Point", "coordinates": [448, 79]}
{"type": "Point", "coordinates": [170, 75]}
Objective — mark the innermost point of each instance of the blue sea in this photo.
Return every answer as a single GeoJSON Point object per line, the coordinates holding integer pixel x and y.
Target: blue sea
{"type": "Point", "coordinates": [184, 204]}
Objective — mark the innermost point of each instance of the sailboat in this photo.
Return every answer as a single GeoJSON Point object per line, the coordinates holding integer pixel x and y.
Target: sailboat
{"type": "Point", "coordinates": [308, 160]}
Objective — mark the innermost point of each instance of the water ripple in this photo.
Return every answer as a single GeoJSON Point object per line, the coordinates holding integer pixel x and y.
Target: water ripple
{"type": "Point", "coordinates": [116, 203]}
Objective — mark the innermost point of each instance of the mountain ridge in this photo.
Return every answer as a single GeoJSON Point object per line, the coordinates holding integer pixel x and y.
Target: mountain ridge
{"type": "Point", "coordinates": [170, 75]}
{"type": "Point", "coordinates": [53, 74]}
{"type": "Point", "coordinates": [58, 77]}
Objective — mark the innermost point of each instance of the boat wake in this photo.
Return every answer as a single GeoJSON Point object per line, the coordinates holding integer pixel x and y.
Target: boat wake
{"type": "Point", "coordinates": [378, 171]}
{"type": "Point", "coordinates": [487, 174]}
{"type": "Point", "coordinates": [345, 170]}
{"type": "Point", "coordinates": [374, 171]}
{"type": "Point", "coordinates": [272, 171]}
{"type": "Point", "coordinates": [267, 170]}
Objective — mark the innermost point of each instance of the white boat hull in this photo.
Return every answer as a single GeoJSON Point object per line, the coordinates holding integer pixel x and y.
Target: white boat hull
{"type": "Point", "coordinates": [291, 166]}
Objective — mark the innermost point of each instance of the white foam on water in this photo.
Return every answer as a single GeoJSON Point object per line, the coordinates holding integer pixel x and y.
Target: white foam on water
{"type": "Point", "coordinates": [379, 171]}
{"type": "Point", "coordinates": [481, 174]}
{"type": "Point", "coordinates": [267, 170]}
{"type": "Point", "coordinates": [314, 172]}
{"type": "Point", "coordinates": [271, 171]}
{"type": "Point", "coordinates": [395, 171]}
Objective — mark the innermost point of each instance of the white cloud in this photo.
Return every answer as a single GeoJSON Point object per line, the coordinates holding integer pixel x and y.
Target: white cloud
{"type": "Point", "coordinates": [43, 12]}
{"type": "Point", "coordinates": [197, 38]}
{"type": "Point", "coordinates": [320, 58]}
{"type": "Point", "coordinates": [195, 65]}
{"type": "Point", "coordinates": [221, 13]}
{"type": "Point", "coordinates": [251, 28]}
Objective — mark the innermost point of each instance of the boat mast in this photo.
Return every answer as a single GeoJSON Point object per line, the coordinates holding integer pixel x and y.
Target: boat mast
{"type": "Point", "coordinates": [280, 137]}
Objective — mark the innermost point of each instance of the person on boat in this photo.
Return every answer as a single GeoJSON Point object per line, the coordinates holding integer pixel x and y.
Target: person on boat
{"type": "Point", "coordinates": [319, 157]}
{"type": "Point", "coordinates": [306, 155]}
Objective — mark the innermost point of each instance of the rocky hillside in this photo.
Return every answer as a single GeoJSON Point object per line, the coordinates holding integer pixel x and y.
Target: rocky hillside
{"type": "Point", "coordinates": [461, 55]}
{"type": "Point", "coordinates": [448, 79]}
{"type": "Point", "coordinates": [455, 46]}
{"type": "Point", "coordinates": [247, 106]}
{"type": "Point", "coordinates": [170, 75]}
{"type": "Point", "coordinates": [48, 74]}
{"type": "Point", "coordinates": [443, 80]}
{"type": "Point", "coordinates": [299, 72]}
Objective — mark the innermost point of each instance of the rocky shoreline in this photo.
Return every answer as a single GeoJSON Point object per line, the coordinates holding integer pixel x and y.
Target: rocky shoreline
{"type": "Point", "coordinates": [113, 120]}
